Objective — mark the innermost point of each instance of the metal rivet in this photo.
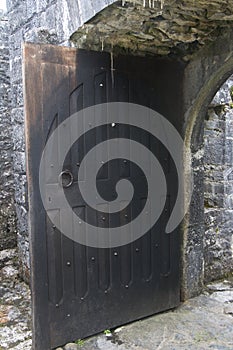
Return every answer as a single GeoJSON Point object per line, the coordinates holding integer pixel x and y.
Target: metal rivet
{"type": "Point", "coordinates": [82, 298]}
{"type": "Point", "coordinates": [78, 164]}
{"type": "Point", "coordinates": [165, 209]}
{"type": "Point", "coordinates": [103, 218]}
{"type": "Point", "coordinates": [102, 162]}
{"type": "Point", "coordinates": [113, 125]}
{"type": "Point", "coordinates": [126, 215]}
{"type": "Point", "coordinates": [93, 258]}
{"type": "Point", "coordinates": [156, 246]}
{"type": "Point", "coordinates": [54, 226]}
{"type": "Point", "coordinates": [137, 250]}
{"type": "Point", "coordinates": [51, 165]}
{"type": "Point", "coordinates": [68, 263]}
{"type": "Point", "coordinates": [101, 84]}
{"type": "Point", "coordinates": [57, 305]}
{"type": "Point", "coordinates": [68, 315]}
{"type": "Point", "coordinates": [126, 286]}
{"type": "Point", "coordinates": [125, 161]}
{"type": "Point", "coordinates": [115, 253]}
{"type": "Point", "coordinates": [80, 222]}
{"type": "Point", "coordinates": [105, 292]}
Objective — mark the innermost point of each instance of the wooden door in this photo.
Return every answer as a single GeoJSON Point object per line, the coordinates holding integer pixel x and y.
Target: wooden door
{"type": "Point", "coordinates": [79, 290]}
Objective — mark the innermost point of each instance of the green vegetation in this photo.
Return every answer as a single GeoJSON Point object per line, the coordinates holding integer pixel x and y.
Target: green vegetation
{"type": "Point", "coordinates": [79, 342]}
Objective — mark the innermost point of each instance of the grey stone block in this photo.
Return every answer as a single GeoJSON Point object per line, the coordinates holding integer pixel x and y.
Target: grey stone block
{"type": "Point", "coordinates": [19, 138]}
{"type": "Point", "coordinates": [71, 346]}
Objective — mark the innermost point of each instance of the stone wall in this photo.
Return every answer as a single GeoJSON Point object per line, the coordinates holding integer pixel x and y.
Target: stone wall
{"type": "Point", "coordinates": [7, 208]}
{"type": "Point", "coordinates": [23, 27]}
{"type": "Point", "coordinates": [30, 21]}
{"type": "Point", "coordinates": [218, 184]}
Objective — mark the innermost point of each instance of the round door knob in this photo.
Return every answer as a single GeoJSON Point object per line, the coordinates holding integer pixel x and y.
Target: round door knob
{"type": "Point", "coordinates": [66, 178]}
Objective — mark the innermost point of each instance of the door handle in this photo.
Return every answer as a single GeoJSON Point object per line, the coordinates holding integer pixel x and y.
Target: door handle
{"type": "Point", "coordinates": [65, 178]}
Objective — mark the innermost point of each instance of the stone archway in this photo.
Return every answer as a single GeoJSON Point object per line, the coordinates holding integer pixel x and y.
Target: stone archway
{"type": "Point", "coordinates": [204, 76]}
{"type": "Point", "coordinates": [174, 29]}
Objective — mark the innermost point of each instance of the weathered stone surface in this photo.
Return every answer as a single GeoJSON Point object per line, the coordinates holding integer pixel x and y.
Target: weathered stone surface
{"type": "Point", "coordinates": [220, 286]}
{"type": "Point", "coordinates": [7, 208]}
{"type": "Point", "coordinates": [225, 296]}
{"type": "Point", "coordinates": [6, 257]}
{"type": "Point", "coordinates": [223, 96]}
{"type": "Point", "coordinates": [155, 27]}
{"type": "Point", "coordinates": [218, 162]}
{"type": "Point", "coordinates": [229, 310]}
{"type": "Point", "coordinates": [71, 346]}
{"type": "Point", "coordinates": [15, 332]}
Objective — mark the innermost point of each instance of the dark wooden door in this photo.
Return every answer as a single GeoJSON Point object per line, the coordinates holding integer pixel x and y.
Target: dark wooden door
{"type": "Point", "coordinates": [79, 290]}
